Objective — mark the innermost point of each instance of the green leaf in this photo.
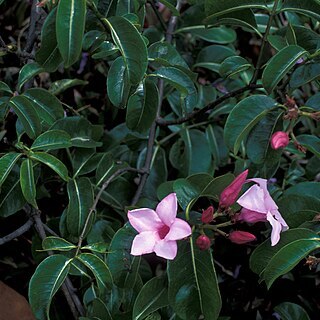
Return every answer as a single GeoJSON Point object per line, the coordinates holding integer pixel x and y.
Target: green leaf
{"type": "Point", "coordinates": [280, 64]}
{"type": "Point", "coordinates": [52, 162]}
{"type": "Point", "coordinates": [60, 86]}
{"type": "Point", "coordinates": [70, 24]}
{"type": "Point", "coordinates": [131, 45]}
{"type": "Point", "coordinates": [142, 107]}
{"type": "Point", "coordinates": [312, 143]}
{"type": "Point", "coordinates": [27, 115]}
{"type": "Point", "coordinates": [11, 197]}
{"type": "Point", "coordinates": [7, 162]}
{"type": "Point", "coordinates": [48, 107]}
{"type": "Point", "coordinates": [80, 195]}
{"type": "Point", "coordinates": [291, 311]}
{"type": "Point", "coordinates": [52, 140]}
{"type": "Point", "coordinates": [5, 88]}
{"type": "Point", "coordinates": [48, 56]}
{"type": "Point", "coordinates": [47, 279]}
{"type": "Point", "coordinates": [56, 243]}
{"type": "Point", "coordinates": [181, 81]}
{"type": "Point", "coordinates": [118, 85]}
{"type": "Point", "coordinates": [27, 182]}
{"type": "Point", "coordinates": [99, 269]}
{"type": "Point", "coordinates": [309, 8]}
{"type": "Point", "coordinates": [100, 310]}
{"type": "Point", "coordinates": [193, 285]}
{"type": "Point", "coordinates": [308, 188]}
{"type": "Point", "coordinates": [304, 74]}
{"type": "Point", "coordinates": [153, 296]}
{"type": "Point", "coordinates": [233, 65]}
{"type": "Point", "coordinates": [243, 117]}
{"type": "Point", "coordinates": [27, 72]}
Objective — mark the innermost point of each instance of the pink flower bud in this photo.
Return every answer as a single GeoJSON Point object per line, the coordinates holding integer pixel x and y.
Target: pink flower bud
{"type": "Point", "coordinates": [279, 139]}
{"type": "Point", "coordinates": [203, 242]}
{"type": "Point", "coordinates": [241, 237]}
{"type": "Point", "coordinates": [230, 194]}
{"type": "Point", "coordinates": [207, 215]}
{"type": "Point", "coordinates": [250, 216]}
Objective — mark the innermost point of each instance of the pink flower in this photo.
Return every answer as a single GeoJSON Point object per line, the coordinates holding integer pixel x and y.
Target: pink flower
{"type": "Point", "coordinates": [258, 199]}
{"type": "Point", "coordinates": [279, 139]}
{"type": "Point", "coordinates": [241, 237]}
{"type": "Point", "coordinates": [203, 242]}
{"type": "Point", "coordinates": [250, 216]}
{"type": "Point", "coordinates": [231, 192]}
{"type": "Point", "coordinates": [207, 215]}
{"type": "Point", "coordinates": [158, 230]}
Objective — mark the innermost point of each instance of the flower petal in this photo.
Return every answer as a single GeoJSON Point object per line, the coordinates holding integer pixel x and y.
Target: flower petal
{"type": "Point", "coordinates": [178, 230]}
{"type": "Point", "coordinates": [278, 217]}
{"type": "Point", "coordinates": [253, 199]}
{"type": "Point", "coordinates": [276, 229]}
{"type": "Point", "coordinates": [166, 249]}
{"type": "Point", "coordinates": [144, 219]}
{"type": "Point", "coordinates": [167, 209]}
{"type": "Point", "coordinates": [144, 243]}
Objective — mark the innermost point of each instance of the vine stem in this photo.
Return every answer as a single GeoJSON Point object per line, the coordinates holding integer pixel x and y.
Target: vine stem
{"type": "Point", "coordinates": [264, 42]}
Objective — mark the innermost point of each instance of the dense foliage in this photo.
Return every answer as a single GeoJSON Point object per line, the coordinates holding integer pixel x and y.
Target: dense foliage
{"type": "Point", "coordinates": [108, 107]}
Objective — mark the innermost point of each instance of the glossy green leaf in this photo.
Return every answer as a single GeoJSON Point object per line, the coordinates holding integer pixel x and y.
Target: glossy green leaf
{"type": "Point", "coordinates": [118, 85]}
{"type": "Point", "coordinates": [99, 269]}
{"type": "Point", "coordinates": [142, 107]}
{"type": "Point", "coordinates": [304, 74]}
{"type": "Point", "coordinates": [60, 86]}
{"type": "Point", "coordinates": [47, 279]}
{"type": "Point", "coordinates": [193, 285]}
{"type": "Point", "coordinates": [27, 115]}
{"type": "Point", "coordinates": [100, 247]}
{"type": "Point", "coordinates": [153, 296]}
{"type": "Point", "coordinates": [56, 243]}
{"type": "Point", "coordinates": [51, 140]}
{"type": "Point", "coordinates": [52, 162]}
{"type": "Point", "coordinates": [132, 47]}
{"type": "Point", "coordinates": [311, 142]}
{"type": "Point", "coordinates": [48, 56]}
{"type": "Point", "coordinates": [309, 8]}
{"type": "Point", "coordinates": [5, 88]}
{"type": "Point", "coordinates": [243, 117]}
{"type": "Point", "coordinates": [27, 182]}
{"type": "Point", "coordinates": [291, 311]}
{"type": "Point", "coordinates": [70, 24]}
{"type": "Point", "coordinates": [48, 107]}
{"type": "Point", "coordinates": [99, 310]}
{"type": "Point", "coordinates": [27, 72]}
{"type": "Point", "coordinates": [11, 197]}
{"type": "Point", "coordinates": [314, 102]}
{"type": "Point", "coordinates": [280, 64]}
{"type": "Point", "coordinates": [7, 162]}
{"type": "Point", "coordinates": [233, 65]}
{"type": "Point", "coordinates": [308, 188]}
{"type": "Point", "coordinates": [80, 195]}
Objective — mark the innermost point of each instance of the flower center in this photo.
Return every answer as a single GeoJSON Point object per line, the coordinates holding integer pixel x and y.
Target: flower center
{"type": "Point", "coordinates": [163, 231]}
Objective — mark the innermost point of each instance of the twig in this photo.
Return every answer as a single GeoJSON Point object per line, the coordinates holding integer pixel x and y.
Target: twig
{"type": "Point", "coordinates": [264, 42]}
{"type": "Point", "coordinates": [34, 16]}
{"type": "Point", "coordinates": [20, 231]}
{"type": "Point", "coordinates": [49, 230]}
{"type": "Point", "coordinates": [210, 106]}
{"type": "Point", "coordinates": [159, 17]}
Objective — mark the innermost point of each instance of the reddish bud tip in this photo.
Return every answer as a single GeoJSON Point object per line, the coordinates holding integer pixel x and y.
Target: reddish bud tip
{"type": "Point", "coordinates": [230, 194]}
{"type": "Point", "coordinates": [241, 237]}
{"type": "Point", "coordinates": [250, 216]}
{"type": "Point", "coordinates": [279, 139]}
{"type": "Point", "coordinates": [207, 215]}
{"type": "Point", "coordinates": [203, 242]}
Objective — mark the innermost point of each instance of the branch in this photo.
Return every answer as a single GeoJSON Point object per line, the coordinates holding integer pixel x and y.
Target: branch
{"type": "Point", "coordinates": [32, 36]}
{"type": "Point", "coordinates": [20, 231]}
{"type": "Point", "coordinates": [210, 106]}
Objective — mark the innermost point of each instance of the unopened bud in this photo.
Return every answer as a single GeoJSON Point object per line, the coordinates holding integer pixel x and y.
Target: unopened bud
{"type": "Point", "coordinates": [207, 215]}
{"type": "Point", "coordinates": [230, 194]}
{"type": "Point", "coordinates": [250, 216]}
{"type": "Point", "coordinates": [203, 242]}
{"type": "Point", "coordinates": [279, 139]}
{"type": "Point", "coordinates": [241, 237]}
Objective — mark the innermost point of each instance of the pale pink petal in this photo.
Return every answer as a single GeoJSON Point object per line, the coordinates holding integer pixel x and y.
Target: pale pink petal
{"type": "Point", "coordinates": [166, 249]}
{"type": "Point", "coordinates": [144, 219]}
{"type": "Point", "coordinates": [253, 199]}
{"type": "Point", "coordinates": [144, 243]}
{"type": "Point", "coordinates": [178, 230]}
{"type": "Point", "coordinates": [276, 229]}
{"type": "Point", "coordinates": [167, 209]}
{"type": "Point", "coordinates": [250, 216]}
{"type": "Point", "coordinates": [278, 216]}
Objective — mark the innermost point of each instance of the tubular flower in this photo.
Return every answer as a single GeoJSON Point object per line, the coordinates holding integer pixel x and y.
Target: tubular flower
{"type": "Point", "coordinates": [203, 242]}
{"type": "Point", "coordinates": [279, 139]}
{"type": "Point", "coordinates": [258, 200]}
{"type": "Point", "coordinates": [158, 230]}
{"type": "Point", "coordinates": [250, 216]}
{"type": "Point", "coordinates": [207, 215]}
{"type": "Point", "coordinates": [230, 193]}
{"type": "Point", "coordinates": [241, 237]}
